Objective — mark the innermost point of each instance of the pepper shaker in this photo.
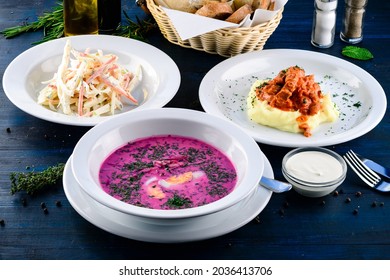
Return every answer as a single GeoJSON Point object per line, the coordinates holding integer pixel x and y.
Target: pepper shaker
{"type": "Point", "coordinates": [352, 29]}
{"type": "Point", "coordinates": [324, 22]}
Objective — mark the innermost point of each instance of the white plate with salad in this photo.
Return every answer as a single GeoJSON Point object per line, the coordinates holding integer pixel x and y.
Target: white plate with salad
{"type": "Point", "coordinates": [83, 80]}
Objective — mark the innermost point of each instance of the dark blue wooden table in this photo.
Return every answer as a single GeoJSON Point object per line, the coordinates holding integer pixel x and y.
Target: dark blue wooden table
{"type": "Point", "coordinates": [290, 227]}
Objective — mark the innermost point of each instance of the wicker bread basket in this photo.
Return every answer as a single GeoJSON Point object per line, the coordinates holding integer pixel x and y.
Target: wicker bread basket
{"type": "Point", "coordinates": [225, 42]}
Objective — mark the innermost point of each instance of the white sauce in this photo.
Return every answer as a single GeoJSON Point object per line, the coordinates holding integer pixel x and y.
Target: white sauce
{"type": "Point", "coordinates": [313, 166]}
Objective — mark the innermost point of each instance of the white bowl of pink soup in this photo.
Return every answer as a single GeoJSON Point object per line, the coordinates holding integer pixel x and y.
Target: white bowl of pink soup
{"type": "Point", "coordinates": [132, 164]}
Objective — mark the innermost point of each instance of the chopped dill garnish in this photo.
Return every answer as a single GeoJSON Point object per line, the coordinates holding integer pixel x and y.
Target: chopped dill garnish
{"type": "Point", "coordinates": [178, 202]}
{"type": "Point", "coordinates": [32, 182]}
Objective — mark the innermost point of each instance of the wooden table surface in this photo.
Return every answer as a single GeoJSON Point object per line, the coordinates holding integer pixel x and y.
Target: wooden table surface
{"type": "Point", "coordinates": [290, 227]}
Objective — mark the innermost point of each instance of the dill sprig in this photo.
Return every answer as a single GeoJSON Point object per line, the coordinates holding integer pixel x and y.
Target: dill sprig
{"type": "Point", "coordinates": [33, 181]}
{"type": "Point", "coordinates": [52, 24]}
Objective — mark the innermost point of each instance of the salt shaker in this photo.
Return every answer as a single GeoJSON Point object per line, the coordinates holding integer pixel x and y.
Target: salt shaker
{"type": "Point", "coordinates": [324, 22]}
{"type": "Point", "coordinates": [352, 29]}
{"type": "Point", "coordinates": [80, 17]}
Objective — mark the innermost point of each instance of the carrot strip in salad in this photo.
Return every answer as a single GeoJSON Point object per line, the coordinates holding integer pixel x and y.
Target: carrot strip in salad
{"type": "Point", "coordinates": [89, 84]}
{"type": "Point", "coordinates": [111, 83]}
{"type": "Point", "coordinates": [81, 99]}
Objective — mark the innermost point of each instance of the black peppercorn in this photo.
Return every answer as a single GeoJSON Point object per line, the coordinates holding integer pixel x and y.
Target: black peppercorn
{"type": "Point", "coordinates": [348, 200]}
{"type": "Point", "coordinates": [45, 210]}
{"type": "Point", "coordinates": [336, 193]}
{"type": "Point", "coordinates": [355, 211]}
{"type": "Point", "coordinates": [8, 130]}
{"type": "Point", "coordinates": [2, 222]}
{"type": "Point", "coordinates": [58, 203]}
{"type": "Point", "coordinates": [374, 204]}
{"type": "Point", "coordinates": [358, 194]}
{"type": "Point", "coordinates": [43, 205]}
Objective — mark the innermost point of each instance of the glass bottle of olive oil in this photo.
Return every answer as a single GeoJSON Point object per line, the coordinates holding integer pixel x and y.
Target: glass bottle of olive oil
{"type": "Point", "coordinates": [80, 17]}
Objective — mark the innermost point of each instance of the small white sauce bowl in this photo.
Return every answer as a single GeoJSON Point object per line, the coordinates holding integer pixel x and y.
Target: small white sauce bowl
{"type": "Point", "coordinates": [93, 148]}
{"type": "Point", "coordinates": [317, 171]}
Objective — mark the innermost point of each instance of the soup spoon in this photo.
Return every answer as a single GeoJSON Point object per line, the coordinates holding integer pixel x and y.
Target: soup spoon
{"type": "Point", "coordinates": [275, 185]}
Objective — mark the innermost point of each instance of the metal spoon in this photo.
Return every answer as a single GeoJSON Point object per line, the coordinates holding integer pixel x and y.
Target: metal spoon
{"type": "Point", "coordinates": [275, 185]}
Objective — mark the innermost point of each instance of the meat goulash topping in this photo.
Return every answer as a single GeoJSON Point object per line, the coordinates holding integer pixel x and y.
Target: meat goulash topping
{"type": "Point", "coordinates": [292, 101]}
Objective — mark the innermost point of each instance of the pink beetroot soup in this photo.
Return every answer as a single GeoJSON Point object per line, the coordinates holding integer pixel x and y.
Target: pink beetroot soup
{"type": "Point", "coordinates": [167, 172]}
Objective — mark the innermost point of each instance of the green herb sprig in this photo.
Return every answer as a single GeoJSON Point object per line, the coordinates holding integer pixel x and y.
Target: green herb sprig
{"type": "Point", "coordinates": [135, 30]}
{"type": "Point", "coordinates": [357, 53]}
{"type": "Point", "coordinates": [32, 182]}
{"type": "Point", "coordinates": [52, 24]}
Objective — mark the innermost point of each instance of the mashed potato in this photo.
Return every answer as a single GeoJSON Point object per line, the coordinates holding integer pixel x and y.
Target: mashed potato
{"type": "Point", "coordinates": [260, 111]}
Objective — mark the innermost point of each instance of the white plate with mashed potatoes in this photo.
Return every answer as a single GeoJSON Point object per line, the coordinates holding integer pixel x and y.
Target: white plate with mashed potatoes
{"type": "Point", "coordinates": [29, 72]}
{"type": "Point", "coordinates": [360, 99]}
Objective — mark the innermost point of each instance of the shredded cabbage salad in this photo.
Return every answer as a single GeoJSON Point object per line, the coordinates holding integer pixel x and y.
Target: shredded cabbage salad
{"type": "Point", "coordinates": [89, 84]}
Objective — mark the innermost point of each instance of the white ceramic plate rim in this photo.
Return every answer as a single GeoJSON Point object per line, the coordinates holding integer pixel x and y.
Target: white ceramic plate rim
{"type": "Point", "coordinates": [86, 144]}
{"type": "Point", "coordinates": [17, 76]}
{"type": "Point", "coordinates": [223, 82]}
{"type": "Point", "coordinates": [195, 229]}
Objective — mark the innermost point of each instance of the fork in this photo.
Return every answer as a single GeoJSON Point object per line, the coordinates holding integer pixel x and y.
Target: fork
{"type": "Point", "coordinates": [363, 171]}
{"type": "Point", "coordinates": [377, 168]}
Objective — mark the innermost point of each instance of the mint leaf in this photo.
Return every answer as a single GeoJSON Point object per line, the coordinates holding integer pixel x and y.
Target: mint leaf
{"type": "Point", "coordinates": [357, 53]}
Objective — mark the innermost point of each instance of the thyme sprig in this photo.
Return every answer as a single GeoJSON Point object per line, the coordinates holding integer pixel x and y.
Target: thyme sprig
{"type": "Point", "coordinates": [33, 181]}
